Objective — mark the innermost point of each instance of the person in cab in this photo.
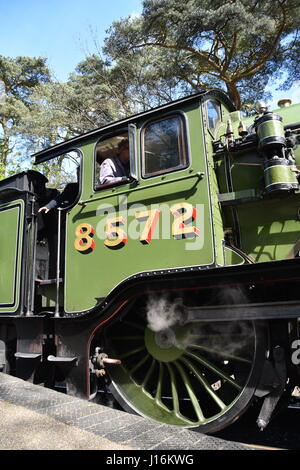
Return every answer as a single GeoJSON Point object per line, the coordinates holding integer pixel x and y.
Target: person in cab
{"type": "Point", "coordinates": [116, 169]}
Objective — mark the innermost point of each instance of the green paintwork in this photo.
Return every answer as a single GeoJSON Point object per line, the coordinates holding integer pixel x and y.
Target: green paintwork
{"type": "Point", "coordinates": [267, 129]}
{"type": "Point", "coordinates": [161, 344]}
{"type": "Point", "coordinates": [270, 233]}
{"type": "Point", "coordinates": [217, 223]}
{"type": "Point", "coordinates": [268, 226]}
{"type": "Point", "coordinates": [11, 239]}
{"type": "Point", "coordinates": [232, 258]}
{"type": "Point", "coordinates": [277, 174]}
{"type": "Point", "coordinates": [95, 274]}
{"type": "Point", "coordinates": [289, 114]}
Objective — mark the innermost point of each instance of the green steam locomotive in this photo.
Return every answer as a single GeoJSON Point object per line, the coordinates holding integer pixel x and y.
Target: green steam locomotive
{"type": "Point", "coordinates": [173, 289]}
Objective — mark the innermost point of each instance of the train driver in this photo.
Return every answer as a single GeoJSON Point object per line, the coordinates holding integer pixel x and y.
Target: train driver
{"type": "Point", "coordinates": [116, 169]}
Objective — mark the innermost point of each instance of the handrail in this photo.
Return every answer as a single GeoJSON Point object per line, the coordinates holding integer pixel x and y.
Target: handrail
{"type": "Point", "coordinates": [56, 314]}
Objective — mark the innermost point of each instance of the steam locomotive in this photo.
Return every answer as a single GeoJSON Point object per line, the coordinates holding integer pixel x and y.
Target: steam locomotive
{"type": "Point", "coordinates": [174, 291]}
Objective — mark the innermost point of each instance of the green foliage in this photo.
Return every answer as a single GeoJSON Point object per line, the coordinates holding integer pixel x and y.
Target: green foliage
{"type": "Point", "coordinates": [19, 77]}
{"type": "Point", "coordinates": [63, 110]}
{"type": "Point", "coordinates": [224, 43]}
{"type": "Point", "coordinates": [97, 93]}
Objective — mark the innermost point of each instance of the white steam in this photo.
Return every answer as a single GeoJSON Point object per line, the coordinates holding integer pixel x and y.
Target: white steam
{"type": "Point", "coordinates": [225, 338]}
{"type": "Point", "coordinates": [162, 314]}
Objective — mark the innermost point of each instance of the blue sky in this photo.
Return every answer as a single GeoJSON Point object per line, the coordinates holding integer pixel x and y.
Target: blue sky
{"type": "Point", "coordinates": [63, 31]}
{"type": "Point", "coordinates": [58, 29]}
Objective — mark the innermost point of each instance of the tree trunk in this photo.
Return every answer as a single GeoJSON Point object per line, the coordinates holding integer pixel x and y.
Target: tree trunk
{"type": "Point", "coordinates": [4, 150]}
{"type": "Point", "coordinates": [234, 94]}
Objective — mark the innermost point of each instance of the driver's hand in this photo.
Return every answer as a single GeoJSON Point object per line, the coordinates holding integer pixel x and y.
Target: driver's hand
{"type": "Point", "coordinates": [44, 209]}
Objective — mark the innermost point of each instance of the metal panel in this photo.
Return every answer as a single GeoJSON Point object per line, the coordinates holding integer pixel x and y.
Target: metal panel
{"type": "Point", "coordinates": [11, 242]}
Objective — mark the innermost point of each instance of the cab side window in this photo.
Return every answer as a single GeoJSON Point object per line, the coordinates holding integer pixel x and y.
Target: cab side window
{"type": "Point", "coordinates": [112, 161]}
{"type": "Point", "coordinates": [213, 114]}
{"type": "Point", "coordinates": [164, 146]}
{"type": "Point", "coordinates": [63, 170]}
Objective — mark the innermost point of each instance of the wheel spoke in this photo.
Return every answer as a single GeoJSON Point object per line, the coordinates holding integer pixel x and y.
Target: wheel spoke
{"type": "Point", "coordinates": [220, 353]}
{"type": "Point", "coordinates": [148, 375]}
{"type": "Point", "coordinates": [174, 390]}
{"type": "Point", "coordinates": [159, 384]}
{"type": "Point", "coordinates": [158, 399]}
{"type": "Point", "coordinates": [138, 365]}
{"type": "Point", "coordinates": [204, 383]}
{"type": "Point", "coordinates": [191, 393]}
{"type": "Point", "coordinates": [215, 369]}
{"type": "Point", "coordinates": [133, 351]}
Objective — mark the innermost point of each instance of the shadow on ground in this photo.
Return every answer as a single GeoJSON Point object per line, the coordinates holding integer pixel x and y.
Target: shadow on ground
{"type": "Point", "coordinates": [283, 432]}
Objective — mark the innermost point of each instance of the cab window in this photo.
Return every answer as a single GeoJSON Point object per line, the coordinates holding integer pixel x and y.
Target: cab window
{"type": "Point", "coordinates": [62, 170]}
{"type": "Point", "coordinates": [164, 146]}
{"type": "Point", "coordinates": [213, 114]}
{"type": "Point", "coordinates": [112, 161]}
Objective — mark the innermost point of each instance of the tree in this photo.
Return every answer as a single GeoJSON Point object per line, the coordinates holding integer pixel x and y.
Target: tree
{"type": "Point", "coordinates": [109, 91]}
{"type": "Point", "coordinates": [97, 93]}
{"type": "Point", "coordinates": [62, 110]}
{"type": "Point", "coordinates": [233, 44]}
{"type": "Point", "coordinates": [18, 78]}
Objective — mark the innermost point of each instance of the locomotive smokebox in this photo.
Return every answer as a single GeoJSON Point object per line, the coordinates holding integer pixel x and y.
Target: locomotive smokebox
{"type": "Point", "coordinates": [279, 171]}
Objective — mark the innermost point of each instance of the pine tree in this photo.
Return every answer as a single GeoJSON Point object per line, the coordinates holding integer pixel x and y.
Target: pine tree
{"type": "Point", "coordinates": [18, 79]}
{"type": "Point", "coordinates": [237, 44]}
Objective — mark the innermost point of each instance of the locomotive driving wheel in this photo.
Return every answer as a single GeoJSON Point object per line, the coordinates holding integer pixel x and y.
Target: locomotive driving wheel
{"type": "Point", "coordinates": [197, 375]}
